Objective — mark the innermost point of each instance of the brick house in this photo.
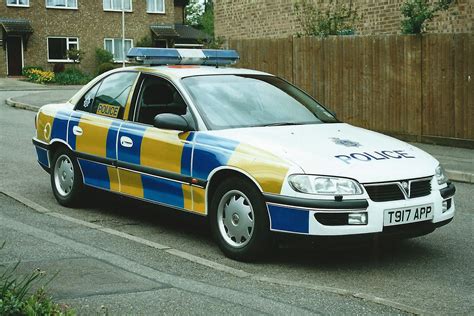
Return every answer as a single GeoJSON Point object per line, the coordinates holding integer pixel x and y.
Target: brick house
{"type": "Point", "coordinates": [38, 32]}
{"type": "Point", "coordinates": [240, 19]}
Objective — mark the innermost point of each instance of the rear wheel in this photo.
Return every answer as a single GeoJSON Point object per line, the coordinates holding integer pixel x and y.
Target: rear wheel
{"type": "Point", "coordinates": [66, 180]}
{"type": "Point", "coordinates": [239, 220]}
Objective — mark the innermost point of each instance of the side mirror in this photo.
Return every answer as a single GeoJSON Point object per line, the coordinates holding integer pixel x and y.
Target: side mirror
{"type": "Point", "coordinates": [333, 113]}
{"type": "Point", "coordinates": [171, 121]}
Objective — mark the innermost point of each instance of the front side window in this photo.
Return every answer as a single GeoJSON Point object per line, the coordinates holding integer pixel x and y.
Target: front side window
{"type": "Point", "coordinates": [61, 4]}
{"type": "Point", "coordinates": [155, 6]}
{"type": "Point", "coordinates": [116, 5]}
{"type": "Point", "coordinates": [114, 45]}
{"type": "Point", "coordinates": [58, 47]}
{"type": "Point", "coordinates": [112, 95]}
{"type": "Point", "coordinates": [22, 3]}
{"type": "Point", "coordinates": [233, 101]}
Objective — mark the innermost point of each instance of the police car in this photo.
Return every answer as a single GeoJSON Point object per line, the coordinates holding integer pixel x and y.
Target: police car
{"type": "Point", "coordinates": [250, 151]}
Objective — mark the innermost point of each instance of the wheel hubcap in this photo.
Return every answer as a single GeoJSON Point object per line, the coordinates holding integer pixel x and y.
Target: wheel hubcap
{"type": "Point", "coordinates": [64, 175]}
{"type": "Point", "coordinates": [235, 218]}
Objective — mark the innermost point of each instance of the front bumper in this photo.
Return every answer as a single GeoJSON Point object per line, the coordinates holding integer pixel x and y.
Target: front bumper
{"type": "Point", "coordinates": [329, 217]}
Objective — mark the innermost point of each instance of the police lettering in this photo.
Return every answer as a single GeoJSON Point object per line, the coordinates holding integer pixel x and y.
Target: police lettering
{"type": "Point", "coordinates": [108, 110]}
{"type": "Point", "coordinates": [376, 155]}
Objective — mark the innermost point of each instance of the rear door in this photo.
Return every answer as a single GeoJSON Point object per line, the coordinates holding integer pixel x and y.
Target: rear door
{"type": "Point", "coordinates": [94, 126]}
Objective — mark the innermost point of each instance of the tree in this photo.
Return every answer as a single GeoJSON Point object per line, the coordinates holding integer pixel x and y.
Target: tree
{"type": "Point", "coordinates": [335, 19]}
{"type": "Point", "coordinates": [200, 15]}
{"type": "Point", "coordinates": [418, 12]}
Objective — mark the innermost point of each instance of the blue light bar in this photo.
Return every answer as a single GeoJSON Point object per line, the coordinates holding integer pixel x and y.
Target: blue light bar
{"type": "Point", "coordinates": [174, 56]}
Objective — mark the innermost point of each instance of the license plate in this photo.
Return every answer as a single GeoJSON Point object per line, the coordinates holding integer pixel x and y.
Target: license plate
{"type": "Point", "coordinates": [407, 215]}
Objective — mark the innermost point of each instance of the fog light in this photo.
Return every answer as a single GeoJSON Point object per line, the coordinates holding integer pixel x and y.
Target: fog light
{"type": "Point", "coordinates": [445, 206]}
{"type": "Point", "coordinates": [357, 218]}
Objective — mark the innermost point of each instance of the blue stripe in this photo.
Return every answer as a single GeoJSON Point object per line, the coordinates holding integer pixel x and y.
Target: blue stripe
{"type": "Point", "coordinates": [42, 156]}
{"type": "Point", "coordinates": [211, 152]}
{"type": "Point", "coordinates": [111, 144]}
{"type": "Point", "coordinates": [135, 133]}
{"type": "Point", "coordinates": [60, 125]}
{"type": "Point", "coordinates": [289, 219]}
{"type": "Point", "coordinates": [95, 174]}
{"type": "Point", "coordinates": [74, 121]}
{"type": "Point", "coordinates": [163, 191]}
{"type": "Point", "coordinates": [187, 155]}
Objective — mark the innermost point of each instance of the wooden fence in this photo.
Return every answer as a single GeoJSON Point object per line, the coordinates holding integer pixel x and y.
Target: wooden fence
{"type": "Point", "coordinates": [418, 88]}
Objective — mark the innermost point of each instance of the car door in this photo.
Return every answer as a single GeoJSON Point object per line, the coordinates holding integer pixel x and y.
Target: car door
{"type": "Point", "coordinates": [93, 129]}
{"type": "Point", "coordinates": [154, 164]}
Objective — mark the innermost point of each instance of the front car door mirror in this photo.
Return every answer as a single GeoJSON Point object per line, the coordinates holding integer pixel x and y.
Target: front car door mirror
{"type": "Point", "coordinates": [171, 121]}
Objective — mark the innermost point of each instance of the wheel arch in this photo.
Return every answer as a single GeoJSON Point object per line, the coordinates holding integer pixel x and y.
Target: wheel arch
{"type": "Point", "coordinates": [218, 174]}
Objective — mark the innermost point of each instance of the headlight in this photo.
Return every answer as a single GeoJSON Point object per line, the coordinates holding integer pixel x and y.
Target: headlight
{"type": "Point", "coordinates": [440, 175]}
{"type": "Point", "coordinates": [324, 185]}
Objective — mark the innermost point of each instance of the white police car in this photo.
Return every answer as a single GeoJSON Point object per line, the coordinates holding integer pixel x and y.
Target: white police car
{"type": "Point", "coordinates": [247, 149]}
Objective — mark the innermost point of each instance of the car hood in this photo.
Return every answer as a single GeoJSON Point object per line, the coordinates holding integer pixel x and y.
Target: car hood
{"type": "Point", "coordinates": [339, 149]}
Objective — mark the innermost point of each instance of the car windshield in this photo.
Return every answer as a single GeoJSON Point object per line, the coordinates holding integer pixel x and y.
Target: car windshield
{"type": "Point", "coordinates": [233, 101]}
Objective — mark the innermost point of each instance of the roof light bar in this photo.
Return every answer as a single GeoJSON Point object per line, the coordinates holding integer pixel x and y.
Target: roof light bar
{"type": "Point", "coordinates": [173, 56]}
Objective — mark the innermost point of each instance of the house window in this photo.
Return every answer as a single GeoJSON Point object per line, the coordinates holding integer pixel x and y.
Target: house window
{"type": "Point", "coordinates": [116, 5]}
{"type": "Point", "coordinates": [155, 6]}
{"type": "Point", "coordinates": [61, 4]}
{"type": "Point", "coordinates": [114, 45]}
{"type": "Point", "coordinates": [58, 47]}
{"type": "Point", "coordinates": [19, 3]}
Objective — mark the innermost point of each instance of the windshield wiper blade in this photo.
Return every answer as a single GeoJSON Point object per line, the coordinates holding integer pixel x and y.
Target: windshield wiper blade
{"type": "Point", "coordinates": [281, 124]}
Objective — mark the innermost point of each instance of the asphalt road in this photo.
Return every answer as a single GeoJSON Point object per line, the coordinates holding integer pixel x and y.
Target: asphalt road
{"type": "Point", "coordinates": [128, 257]}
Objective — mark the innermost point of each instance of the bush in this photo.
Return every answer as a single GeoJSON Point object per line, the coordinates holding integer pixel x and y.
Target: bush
{"type": "Point", "coordinates": [39, 76]}
{"type": "Point", "coordinates": [417, 12]}
{"type": "Point", "coordinates": [104, 68]}
{"type": "Point", "coordinates": [57, 68]}
{"type": "Point", "coordinates": [103, 56]}
{"type": "Point", "coordinates": [16, 300]}
{"type": "Point", "coordinates": [26, 70]}
{"type": "Point", "coordinates": [72, 76]}
{"type": "Point", "coordinates": [145, 41]}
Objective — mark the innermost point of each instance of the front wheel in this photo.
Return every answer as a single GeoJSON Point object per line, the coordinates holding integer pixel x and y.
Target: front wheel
{"type": "Point", "coordinates": [66, 180]}
{"type": "Point", "coordinates": [239, 220]}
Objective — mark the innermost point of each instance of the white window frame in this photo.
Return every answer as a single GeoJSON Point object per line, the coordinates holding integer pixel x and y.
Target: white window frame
{"type": "Point", "coordinates": [68, 39]}
{"type": "Point", "coordinates": [156, 12]}
{"type": "Point", "coordinates": [17, 4]}
{"type": "Point", "coordinates": [118, 10]}
{"type": "Point", "coordinates": [113, 47]}
{"type": "Point", "coordinates": [60, 8]}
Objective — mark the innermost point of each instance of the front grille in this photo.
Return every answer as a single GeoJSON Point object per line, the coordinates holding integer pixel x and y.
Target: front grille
{"type": "Point", "coordinates": [420, 188]}
{"type": "Point", "coordinates": [383, 192]}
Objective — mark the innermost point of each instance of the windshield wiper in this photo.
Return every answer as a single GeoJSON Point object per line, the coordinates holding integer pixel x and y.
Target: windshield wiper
{"type": "Point", "coordinates": [282, 124]}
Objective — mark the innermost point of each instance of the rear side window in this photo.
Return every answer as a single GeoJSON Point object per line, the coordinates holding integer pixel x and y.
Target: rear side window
{"type": "Point", "coordinates": [109, 96]}
{"type": "Point", "coordinates": [85, 103]}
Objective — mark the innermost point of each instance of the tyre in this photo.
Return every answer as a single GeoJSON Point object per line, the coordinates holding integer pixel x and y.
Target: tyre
{"type": "Point", "coordinates": [66, 179]}
{"type": "Point", "coordinates": [239, 220]}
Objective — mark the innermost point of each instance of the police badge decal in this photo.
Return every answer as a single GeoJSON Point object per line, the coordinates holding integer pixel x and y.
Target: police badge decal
{"type": "Point", "coordinates": [345, 142]}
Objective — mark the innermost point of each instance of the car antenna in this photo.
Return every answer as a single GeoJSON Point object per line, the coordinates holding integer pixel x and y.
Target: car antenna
{"type": "Point", "coordinates": [217, 62]}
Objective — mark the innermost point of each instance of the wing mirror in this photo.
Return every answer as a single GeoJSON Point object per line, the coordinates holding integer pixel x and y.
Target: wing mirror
{"type": "Point", "coordinates": [171, 121]}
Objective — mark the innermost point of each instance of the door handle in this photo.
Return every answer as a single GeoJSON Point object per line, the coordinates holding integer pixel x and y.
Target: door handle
{"type": "Point", "coordinates": [126, 141]}
{"type": "Point", "coordinates": [76, 130]}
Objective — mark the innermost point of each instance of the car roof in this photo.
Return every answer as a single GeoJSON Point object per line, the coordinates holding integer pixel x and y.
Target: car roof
{"type": "Point", "coordinates": [182, 71]}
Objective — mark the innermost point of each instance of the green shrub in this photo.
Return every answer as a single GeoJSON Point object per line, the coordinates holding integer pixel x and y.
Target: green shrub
{"type": "Point", "coordinates": [104, 68]}
{"type": "Point", "coordinates": [103, 56]}
{"type": "Point", "coordinates": [15, 297]}
{"type": "Point", "coordinates": [25, 71]}
{"type": "Point", "coordinates": [72, 76]}
{"type": "Point", "coordinates": [145, 41]}
{"type": "Point", "coordinates": [417, 12]}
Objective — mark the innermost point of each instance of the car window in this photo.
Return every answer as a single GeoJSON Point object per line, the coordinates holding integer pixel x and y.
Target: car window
{"type": "Point", "coordinates": [158, 96]}
{"type": "Point", "coordinates": [85, 103]}
{"type": "Point", "coordinates": [232, 101]}
{"type": "Point", "coordinates": [112, 94]}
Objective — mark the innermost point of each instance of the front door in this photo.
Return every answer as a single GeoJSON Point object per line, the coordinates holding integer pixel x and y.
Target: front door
{"type": "Point", "coordinates": [14, 56]}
